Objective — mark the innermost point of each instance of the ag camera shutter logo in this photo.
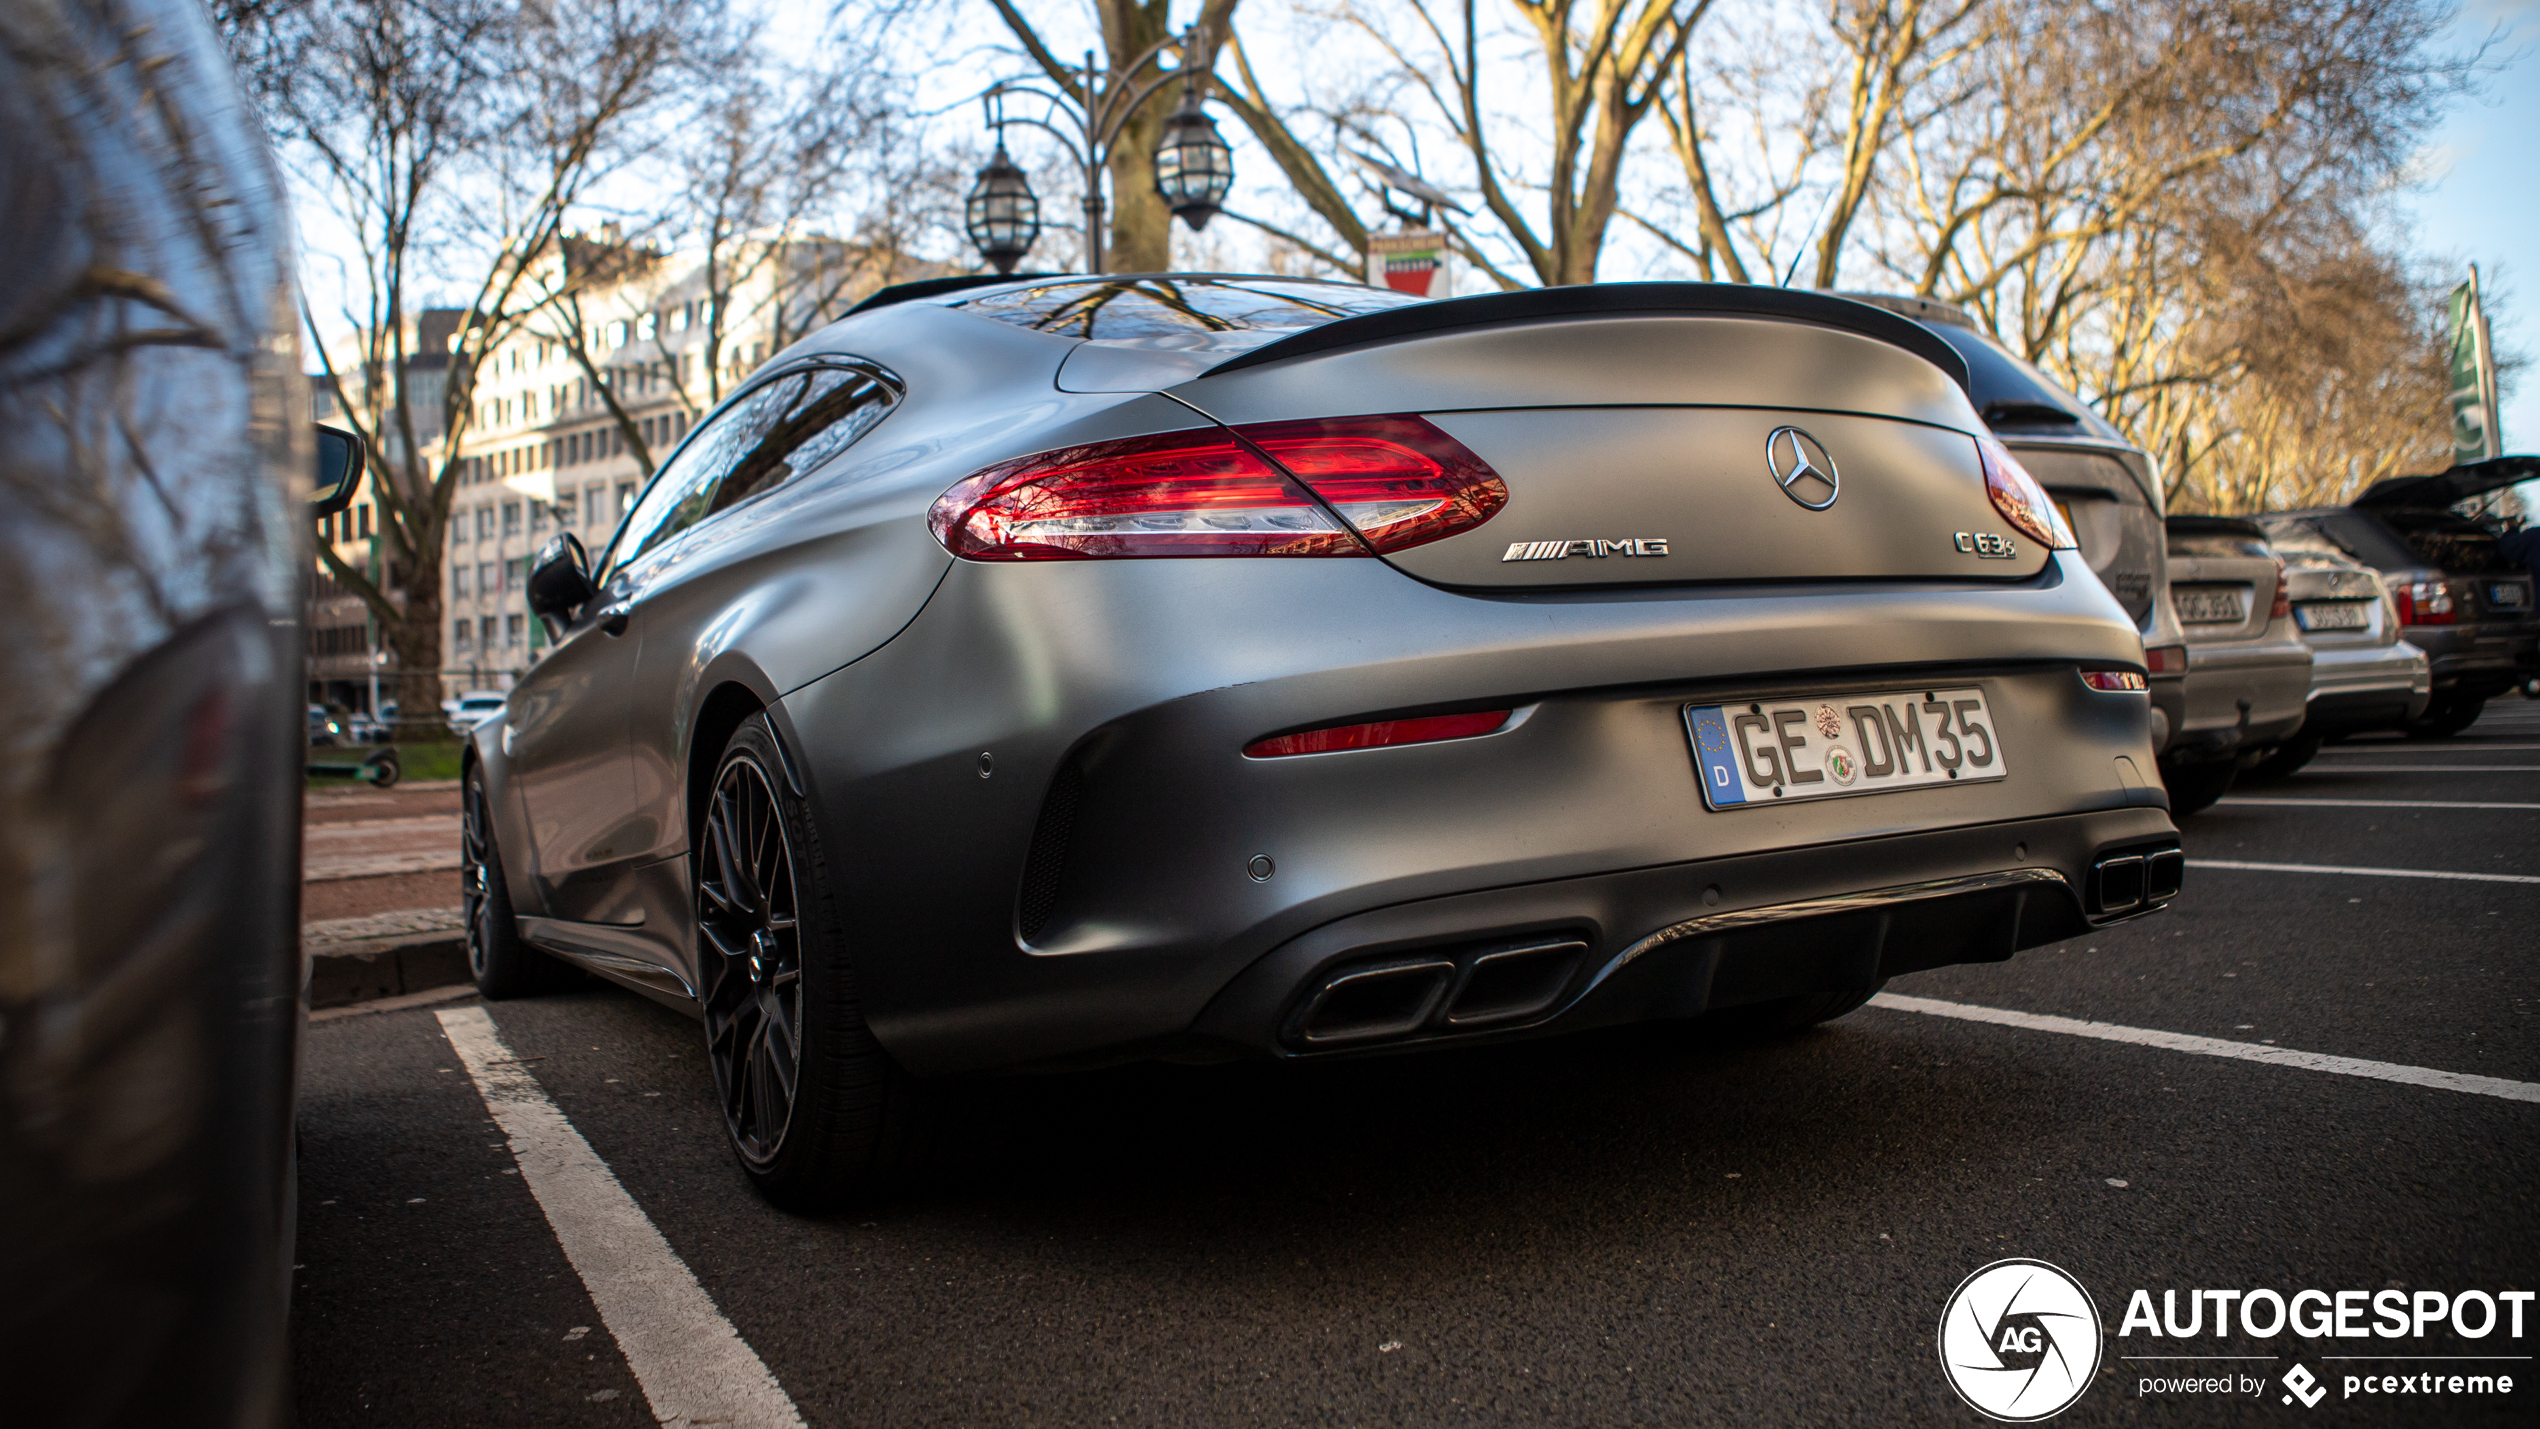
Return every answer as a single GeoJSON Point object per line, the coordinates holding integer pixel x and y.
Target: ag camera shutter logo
{"type": "Point", "coordinates": [2020, 1341]}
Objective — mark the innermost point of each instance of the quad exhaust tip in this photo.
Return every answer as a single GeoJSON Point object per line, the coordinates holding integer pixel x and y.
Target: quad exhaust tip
{"type": "Point", "coordinates": [2131, 882]}
{"type": "Point", "coordinates": [1484, 988]}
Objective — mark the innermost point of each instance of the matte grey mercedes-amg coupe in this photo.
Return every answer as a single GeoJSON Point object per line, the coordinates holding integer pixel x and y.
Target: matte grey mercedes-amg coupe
{"type": "Point", "coordinates": [1024, 674]}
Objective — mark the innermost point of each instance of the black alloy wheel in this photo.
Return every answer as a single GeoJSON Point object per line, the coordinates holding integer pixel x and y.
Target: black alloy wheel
{"type": "Point", "coordinates": [750, 930]}
{"type": "Point", "coordinates": [502, 964]}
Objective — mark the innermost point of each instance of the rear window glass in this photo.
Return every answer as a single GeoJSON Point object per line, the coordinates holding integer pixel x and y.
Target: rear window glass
{"type": "Point", "coordinates": [2191, 536]}
{"type": "Point", "coordinates": [2452, 542]}
{"type": "Point", "coordinates": [2293, 536]}
{"type": "Point", "coordinates": [2011, 393]}
{"type": "Point", "coordinates": [1202, 313]}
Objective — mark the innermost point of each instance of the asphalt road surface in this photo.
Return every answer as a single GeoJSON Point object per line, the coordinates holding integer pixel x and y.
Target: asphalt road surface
{"type": "Point", "coordinates": [1659, 1228]}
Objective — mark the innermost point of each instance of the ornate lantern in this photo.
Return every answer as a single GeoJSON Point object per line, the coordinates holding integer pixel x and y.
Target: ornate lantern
{"type": "Point", "coordinates": [1193, 166]}
{"type": "Point", "coordinates": [1002, 217]}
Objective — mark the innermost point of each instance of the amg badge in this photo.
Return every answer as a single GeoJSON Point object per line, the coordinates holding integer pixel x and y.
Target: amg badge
{"type": "Point", "coordinates": [1555, 550]}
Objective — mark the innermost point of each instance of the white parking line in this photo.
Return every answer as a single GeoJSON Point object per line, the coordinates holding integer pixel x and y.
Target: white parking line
{"type": "Point", "coordinates": [2374, 803]}
{"type": "Point", "coordinates": [2413, 747]}
{"type": "Point", "coordinates": [693, 1366]}
{"type": "Point", "coordinates": [2438, 769]}
{"type": "Point", "coordinates": [2218, 1047]}
{"type": "Point", "coordinates": [2368, 872]}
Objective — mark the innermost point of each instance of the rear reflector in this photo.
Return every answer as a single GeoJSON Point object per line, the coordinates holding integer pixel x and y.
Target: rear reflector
{"type": "Point", "coordinates": [2114, 680]}
{"type": "Point", "coordinates": [2283, 605]}
{"type": "Point", "coordinates": [2020, 499]}
{"type": "Point", "coordinates": [1426, 730]}
{"type": "Point", "coordinates": [1395, 482]}
{"type": "Point", "coordinates": [2166, 659]}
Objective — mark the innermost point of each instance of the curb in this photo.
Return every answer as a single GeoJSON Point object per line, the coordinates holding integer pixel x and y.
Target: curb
{"type": "Point", "coordinates": [342, 974]}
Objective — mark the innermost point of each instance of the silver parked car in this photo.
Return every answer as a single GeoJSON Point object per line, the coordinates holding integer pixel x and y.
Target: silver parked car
{"type": "Point", "coordinates": [2363, 676]}
{"type": "Point", "coordinates": [2248, 671]}
{"type": "Point", "coordinates": [1035, 673]}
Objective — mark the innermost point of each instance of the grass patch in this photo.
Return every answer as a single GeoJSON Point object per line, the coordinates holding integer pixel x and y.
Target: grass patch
{"type": "Point", "coordinates": [422, 759]}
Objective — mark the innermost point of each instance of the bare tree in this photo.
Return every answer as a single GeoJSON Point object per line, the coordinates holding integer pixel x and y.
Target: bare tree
{"type": "Point", "coordinates": [454, 140]}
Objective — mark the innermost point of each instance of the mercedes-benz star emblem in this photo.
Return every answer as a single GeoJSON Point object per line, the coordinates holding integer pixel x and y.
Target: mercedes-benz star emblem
{"type": "Point", "coordinates": [1801, 468]}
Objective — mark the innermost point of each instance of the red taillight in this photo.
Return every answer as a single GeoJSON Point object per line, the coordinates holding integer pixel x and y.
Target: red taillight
{"type": "Point", "coordinates": [2283, 594]}
{"type": "Point", "coordinates": [1398, 481]}
{"type": "Point", "coordinates": [1395, 482]}
{"type": "Point", "coordinates": [2020, 499]}
{"type": "Point", "coordinates": [2424, 603]}
{"type": "Point", "coordinates": [2114, 680]}
{"type": "Point", "coordinates": [1200, 493]}
{"type": "Point", "coordinates": [2166, 659]}
{"type": "Point", "coordinates": [1425, 730]}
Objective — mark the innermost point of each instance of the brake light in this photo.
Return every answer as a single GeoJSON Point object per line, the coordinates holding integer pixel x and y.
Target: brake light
{"type": "Point", "coordinates": [2283, 594]}
{"type": "Point", "coordinates": [2166, 659]}
{"type": "Point", "coordinates": [2425, 603]}
{"type": "Point", "coordinates": [1398, 481]}
{"type": "Point", "coordinates": [2020, 499]}
{"type": "Point", "coordinates": [1426, 730]}
{"type": "Point", "coordinates": [2114, 680]}
{"type": "Point", "coordinates": [1198, 493]}
{"type": "Point", "coordinates": [1270, 489]}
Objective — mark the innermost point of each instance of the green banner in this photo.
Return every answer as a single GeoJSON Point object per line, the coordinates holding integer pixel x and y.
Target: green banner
{"type": "Point", "coordinates": [2474, 435]}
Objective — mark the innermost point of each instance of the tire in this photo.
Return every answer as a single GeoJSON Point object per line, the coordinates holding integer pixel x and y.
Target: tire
{"type": "Point", "coordinates": [816, 1112]}
{"type": "Point", "coordinates": [2194, 787]}
{"type": "Point", "coordinates": [2447, 719]}
{"type": "Point", "coordinates": [504, 966]}
{"type": "Point", "coordinates": [2287, 760]}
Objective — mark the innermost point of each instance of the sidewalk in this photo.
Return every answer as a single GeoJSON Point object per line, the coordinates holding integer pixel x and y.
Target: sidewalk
{"type": "Point", "coordinates": [379, 901]}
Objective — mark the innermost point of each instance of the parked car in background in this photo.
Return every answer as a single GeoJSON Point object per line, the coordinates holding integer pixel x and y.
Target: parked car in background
{"type": "Point", "coordinates": [472, 709]}
{"type": "Point", "coordinates": [2460, 596]}
{"type": "Point", "coordinates": [2248, 672]}
{"type": "Point", "coordinates": [2364, 678]}
{"type": "Point", "coordinates": [324, 729]}
{"type": "Point", "coordinates": [151, 1000]}
{"type": "Point", "coordinates": [2103, 484]}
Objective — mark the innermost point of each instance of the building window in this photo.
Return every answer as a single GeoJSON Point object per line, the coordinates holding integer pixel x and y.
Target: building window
{"type": "Point", "coordinates": [485, 633]}
{"type": "Point", "coordinates": [365, 510]}
{"type": "Point", "coordinates": [458, 582]}
{"type": "Point", "coordinates": [625, 498]}
{"type": "Point", "coordinates": [511, 518]}
{"type": "Point", "coordinates": [537, 517]}
{"type": "Point", "coordinates": [485, 523]}
{"type": "Point", "coordinates": [513, 627]}
{"type": "Point", "coordinates": [485, 578]}
{"type": "Point", "coordinates": [459, 631]}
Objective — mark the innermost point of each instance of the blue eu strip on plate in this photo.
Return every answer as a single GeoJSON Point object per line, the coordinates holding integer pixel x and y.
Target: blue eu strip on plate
{"type": "Point", "coordinates": [1721, 784]}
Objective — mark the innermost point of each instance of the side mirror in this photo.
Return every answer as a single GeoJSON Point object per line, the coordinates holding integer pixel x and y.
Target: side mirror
{"type": "Point", "coordinates": [560, 580]}
{"type": "Point", "coordinates": [341, 460]}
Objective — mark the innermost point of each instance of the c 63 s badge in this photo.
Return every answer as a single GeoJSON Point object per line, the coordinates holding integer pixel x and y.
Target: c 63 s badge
{"type": "Point", "coordinates": [1556, 550]}
{"type": "Point", "coordinates": [1990, 545]}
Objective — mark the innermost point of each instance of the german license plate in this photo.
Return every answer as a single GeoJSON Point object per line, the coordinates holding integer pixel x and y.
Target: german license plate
{"type": "Point", "coordinates": [2510, 595]}
{"type": "Point", "coordinates": [2207, 605]}
{"type": "Point", "coordinates": [1818, 748]}
{"type": "Point", "coordinates": [2332, 615]}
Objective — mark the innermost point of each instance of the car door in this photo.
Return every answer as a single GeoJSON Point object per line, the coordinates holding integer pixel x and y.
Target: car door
{"type": "Point", "coordinates": [570, 714]}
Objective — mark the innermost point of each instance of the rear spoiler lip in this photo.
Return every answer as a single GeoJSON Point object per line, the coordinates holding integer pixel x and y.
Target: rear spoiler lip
{"type": "Point", "coordinates": [1611, 299]}
{"type": "Point", "coordinates": [2464, 481]}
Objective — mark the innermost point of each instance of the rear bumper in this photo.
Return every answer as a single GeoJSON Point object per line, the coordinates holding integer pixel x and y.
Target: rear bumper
{"type": "Point", "coordinates": [1096, 888]}
{"type": "Point", "coordinates": [2240, 697]}
{"type": "Point", "coordinates": [1675, 942]}
{"type": "Point", "coordinates": [2367, 687]}
{"type": "Point", "coordinates": [2475, 661]}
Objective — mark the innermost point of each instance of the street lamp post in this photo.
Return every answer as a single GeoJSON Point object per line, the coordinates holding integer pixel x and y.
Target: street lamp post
{"type": "Point", "coordinates": [1193, 165]}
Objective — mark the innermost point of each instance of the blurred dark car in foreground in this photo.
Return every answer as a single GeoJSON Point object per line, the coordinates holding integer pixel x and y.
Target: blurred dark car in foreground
{"type": "Point", "coordinates": [1039, 673]}
{"type": "Point", "coordinates": [152, 548]}
{"type": "Point", "coordinates": [2248, 672]}
{"type": "Point", "coordinates": [2461, 598]}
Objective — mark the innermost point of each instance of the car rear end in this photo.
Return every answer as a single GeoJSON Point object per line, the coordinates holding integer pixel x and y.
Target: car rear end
{"type": "Point", "coordinates": [1526, 666]}
{"type": "Point", "coordinates": [2248, 672]}
{"type": "Point", "coordinates": [2364, 677]}
{"type": "Point", "coordinates": [2459, 598]}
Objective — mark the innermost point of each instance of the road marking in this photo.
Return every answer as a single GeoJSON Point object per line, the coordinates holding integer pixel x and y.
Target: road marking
{"type": "Point", "coordinates": [2215, 1047]}
{"type": "Point", "coordinates": [398, 1003]}
{"type": "Point", "coordinates": [693, 1366]}
{"type": "Point", "coordinates": [2370, 872]}
{"type": "Point", "coordinates": [2375, 803]}
{"type": "Point", "coordinates": [2437, 769]}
